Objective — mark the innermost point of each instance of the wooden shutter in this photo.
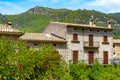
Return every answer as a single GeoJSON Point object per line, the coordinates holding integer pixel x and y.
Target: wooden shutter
{"type": "Point", "coordinates": [90, 40]}
{"type": "Point", "coordinates": [90, 57]}
{"type": "Point", "coordinates": [105, 39]}
{"type": "Point", "coordinates": [105, 57]}
{"type": "Point", "coordinates": [75, 37]}
{"type": "Point", "coordinates": [75, 56]}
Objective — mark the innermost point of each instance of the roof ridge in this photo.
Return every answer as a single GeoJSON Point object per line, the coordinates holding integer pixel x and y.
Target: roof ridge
{"type": "Point", "coordinates": [76, 24]}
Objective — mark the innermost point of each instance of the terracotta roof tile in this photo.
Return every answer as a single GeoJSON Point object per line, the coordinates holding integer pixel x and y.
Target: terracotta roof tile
{"type": "Point", "coordinates": [7, 28]}
{"type": "Point", "coordinates": [116, 41]}
{"type": "Point", "coordinates": [40, 37]}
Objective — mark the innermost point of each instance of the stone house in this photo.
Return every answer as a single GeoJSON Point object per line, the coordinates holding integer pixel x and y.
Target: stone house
{"type": "Point", "coordinates": [84, 42]}
{"type": "Point", "coordinates": [116, 48]}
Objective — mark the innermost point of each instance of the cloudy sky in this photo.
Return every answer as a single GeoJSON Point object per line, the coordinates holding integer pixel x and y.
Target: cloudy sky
{"type": "Point", "coordinates": [19, 6]}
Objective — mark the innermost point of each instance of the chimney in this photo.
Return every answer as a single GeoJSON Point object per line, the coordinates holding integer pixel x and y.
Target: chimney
{"type": "Point", "coordinates": [91, 22]}
{"type": "Point", "coordinates": [94, 23]}
{"type": "Point", "coordinates": [109, 24]}
{"type": "Point", "coordinates": [9, 25]}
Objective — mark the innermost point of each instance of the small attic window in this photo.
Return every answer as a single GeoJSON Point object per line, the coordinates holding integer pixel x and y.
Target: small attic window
{"type": "Point", "coordinates": [114, 53]}
{"type": "Point", "coordinates": [98, 30]}
{"type": "Point", "coordinates": [35, 44]}
{"type": "Point", "coordinates": [105, 31]}
{"type": "Point", "coordinates": [54, 45]}
{"type": "Point", "coordinates": [75, 29]}
{"type": "Point", "coordinates": [91, 30]}
{"type": "Point", "coordinates": [82, 29]}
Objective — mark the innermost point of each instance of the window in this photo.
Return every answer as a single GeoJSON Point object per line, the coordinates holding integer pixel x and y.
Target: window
{"type": "Point", "coordinates": [75, 28]}
{"type": "Point", "coordinates": [105, 40]}
{"type": "Point", "coordinates": [75, 38]}
{"type": "Point", "coordinates": [105, 57]}
{"type": "Point", "coordinates": [90, 30]}
{"type": "Point", "coordinates": [98, 31]}
{"type": "Point", "coordinates": [113, 45]}
{"type": "Point", "coordinates": [35, 44]}
{"type": "Point", "coordinates": [75, 56]}
{"type": "Point", "coordinates": [82, 29]}
{"type": "Point", "coordinates": [105, 31]}
{"type": "Point", "coordinates": [114, 53]}
{"type": "Point", "coordinates": [54, 45]}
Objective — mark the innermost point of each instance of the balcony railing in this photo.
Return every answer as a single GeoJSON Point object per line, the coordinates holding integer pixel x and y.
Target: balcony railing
{"type": "Point", "coordinates": [93, 45]}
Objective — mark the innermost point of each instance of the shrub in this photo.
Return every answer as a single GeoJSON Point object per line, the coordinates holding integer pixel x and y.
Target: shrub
{"type": "Point", "coordinates": [17, 62]}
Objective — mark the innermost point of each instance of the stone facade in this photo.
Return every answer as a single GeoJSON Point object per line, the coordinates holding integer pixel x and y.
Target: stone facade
{"type": "Point", "coordinates": [60, 47]}
{"type": "Point", "coordinates": [83, 47]}
{"type": "Point", "coordinates": [100, 46]}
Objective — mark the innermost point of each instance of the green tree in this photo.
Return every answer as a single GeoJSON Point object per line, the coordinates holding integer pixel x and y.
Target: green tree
{"type": "Point", "coordinates": [17, 62]}
{"type": "Point", "coordinates": [79, 71]}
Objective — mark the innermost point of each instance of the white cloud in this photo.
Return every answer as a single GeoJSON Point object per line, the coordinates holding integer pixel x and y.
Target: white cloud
{"type": "Point", "coordinates": [109, 5]}
{"type": "Point", "coordinates": [104, 3]}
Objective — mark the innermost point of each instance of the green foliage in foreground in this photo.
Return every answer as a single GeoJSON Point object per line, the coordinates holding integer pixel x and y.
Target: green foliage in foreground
{"type": "Point", "coordinates": [20, 63]}
{"type": "Point", "coordinates": [17, 62]}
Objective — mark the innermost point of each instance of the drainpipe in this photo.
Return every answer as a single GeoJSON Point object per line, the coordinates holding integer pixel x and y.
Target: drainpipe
{"type": "Point", "coordinates": [83, 43]}
{"type": "Point", "coordinates": [67, 45]}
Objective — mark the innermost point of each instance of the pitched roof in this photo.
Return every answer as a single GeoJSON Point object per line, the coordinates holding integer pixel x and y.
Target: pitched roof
{"type": "Point", "coordinates": [60, 29]}
{"type": "Point", "coordinates": [40, 37]}
{"type": "Point", "coordinates": [8, 29]}
{"type": "Point", "coordinates": [80, 25]}
{"type": "Point", "coordinates": [116, 41]}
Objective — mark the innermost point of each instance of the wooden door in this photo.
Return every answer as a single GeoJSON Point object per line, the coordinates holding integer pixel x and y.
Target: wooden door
{"type": "Point", "coordinates": [105, 57]}
{"type": "Point", "coordinates": [90, 40]}
{"type": "Point", "coordinates": [75, 56]}
{"type": "Point", "coordinates": [90, 57]}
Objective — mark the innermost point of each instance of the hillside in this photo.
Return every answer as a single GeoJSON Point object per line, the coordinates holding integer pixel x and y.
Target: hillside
{"type": "Point", "coordinates": [115, 14]}
{"type": "Point", "coordinates": [72, 16]}
{"type": "Point", "coordinates": [37, 18]}
{"type": "Point", "coordinates": [29, 22]}
{"type": "Point", "coordinates": [3, 20]}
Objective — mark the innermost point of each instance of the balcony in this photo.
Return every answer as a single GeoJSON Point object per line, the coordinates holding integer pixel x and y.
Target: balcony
{"type": "Point", "coordinates": [91, 45]}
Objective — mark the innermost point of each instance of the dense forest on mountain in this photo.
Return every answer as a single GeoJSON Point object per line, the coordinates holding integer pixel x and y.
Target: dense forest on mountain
{"type": "Point", "coordinates": [37, 18]}
{"type": "Point", "coordinates": [29, 22]}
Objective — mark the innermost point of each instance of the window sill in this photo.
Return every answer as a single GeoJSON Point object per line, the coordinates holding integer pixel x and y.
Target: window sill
{"type": "Point", "coordinates": [75, 41]}
{"type": "Point", "coordinates": [105, 42]}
